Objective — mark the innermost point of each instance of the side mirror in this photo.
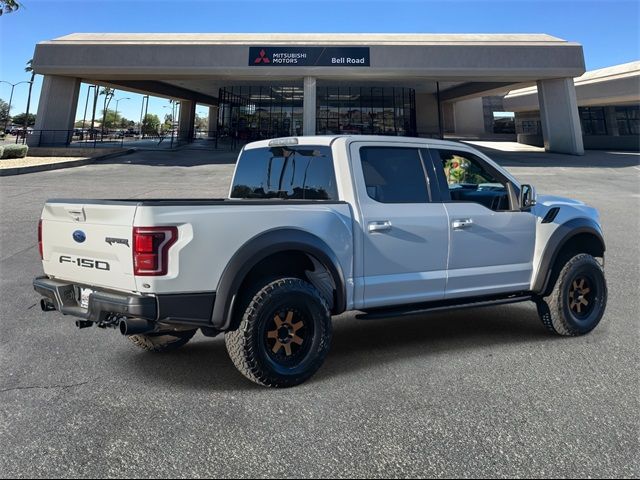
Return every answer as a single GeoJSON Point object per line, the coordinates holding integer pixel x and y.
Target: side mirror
{"type": "Point", "coordinates": [527, 196]}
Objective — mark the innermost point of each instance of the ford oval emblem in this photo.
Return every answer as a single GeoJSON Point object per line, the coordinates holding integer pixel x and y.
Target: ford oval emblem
{"type": "Point", "coordinates": [79, 236]}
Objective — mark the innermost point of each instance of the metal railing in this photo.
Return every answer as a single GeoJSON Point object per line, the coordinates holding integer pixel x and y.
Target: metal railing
{"type": "Point", "coordinates": [95, 139]}
{"type": "Point", "coordinates": [204, 139]}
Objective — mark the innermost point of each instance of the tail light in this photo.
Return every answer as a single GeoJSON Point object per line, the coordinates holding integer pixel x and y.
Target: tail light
{"type": "Point", "coordinates": [151, 249]}
{"type": "Point", "coordinates": [40, 239]}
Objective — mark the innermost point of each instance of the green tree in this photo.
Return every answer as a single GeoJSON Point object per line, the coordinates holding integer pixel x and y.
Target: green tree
{"type": "Point", "coordinates": [201, 123]}
{"type": "Point", "coordinates": [150, 124]}
{"type": "Point", "coordinates": [168, 123]}
{"type": "Point", "coordinates": [111, 120]}
{"type": "Point", "coordinates": [21, 119]}
{"type": "Point", "coordinates": [108, 96]}
{"type": "Point", "coordinates": [8, 6]}
{"type": "Point", "coordinates": [4, 112]}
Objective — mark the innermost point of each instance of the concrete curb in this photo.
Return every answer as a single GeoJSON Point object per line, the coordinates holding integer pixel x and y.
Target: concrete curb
{"type": "Point", "coordinates": [5, 172]}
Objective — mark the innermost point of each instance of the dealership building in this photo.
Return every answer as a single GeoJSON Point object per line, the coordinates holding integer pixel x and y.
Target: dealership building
{"type": "Point", "coordinates": [268, 85]}
{"type": "Point", "coordinates": [608, 106]}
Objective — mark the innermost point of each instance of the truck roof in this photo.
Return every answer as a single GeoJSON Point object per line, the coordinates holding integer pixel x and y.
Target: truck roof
{"type": "Point", "coordinates": [329, 139]}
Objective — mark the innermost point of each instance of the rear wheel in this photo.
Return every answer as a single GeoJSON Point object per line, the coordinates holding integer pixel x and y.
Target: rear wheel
{"type": "Point", "coordinates": [284, 335]}
{"type": "Point", "coordinates": [162, 341]}
{"type": "Point", "coordinates": [578, 299]}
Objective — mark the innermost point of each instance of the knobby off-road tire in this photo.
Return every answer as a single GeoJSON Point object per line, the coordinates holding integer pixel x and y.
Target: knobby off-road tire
{"type": "Point", "coordinates": [162, 343]}
{"type": "Point", "coordinates": [578, 299]}
{"type": "Point", "coordinates": [284, 334]}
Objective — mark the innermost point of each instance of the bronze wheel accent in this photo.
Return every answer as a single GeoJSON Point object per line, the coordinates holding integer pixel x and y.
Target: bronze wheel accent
{"type": "Point", "coordinates": [579, 298]}
{"type": "Point", "coordinates": [285, 333]}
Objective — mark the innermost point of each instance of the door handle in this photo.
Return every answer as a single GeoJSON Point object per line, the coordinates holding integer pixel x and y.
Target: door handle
{"type": "Point", "coordinates": [462, 223]}
{"type": "Point", "coordinates": [381, 226]}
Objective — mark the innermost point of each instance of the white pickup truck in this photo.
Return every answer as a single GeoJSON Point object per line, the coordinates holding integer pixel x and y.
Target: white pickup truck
{"type": "Point", "coordinates": [314, 227]}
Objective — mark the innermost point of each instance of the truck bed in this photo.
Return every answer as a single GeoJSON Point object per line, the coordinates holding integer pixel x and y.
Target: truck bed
{"type": "Point", "coordinates": [209, 234]}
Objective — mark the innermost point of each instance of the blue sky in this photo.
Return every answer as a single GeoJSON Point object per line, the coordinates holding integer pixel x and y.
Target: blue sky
{"type": "Point", "coordinates": [608, 29]}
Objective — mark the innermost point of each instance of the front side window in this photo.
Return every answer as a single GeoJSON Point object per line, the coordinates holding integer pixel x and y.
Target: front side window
{"type": "Point", "coordinates": [469, 180]}
{"type": "Point", "coordinates": [394, 175]}
{"type": "Point", "coordinates": [295, 173]}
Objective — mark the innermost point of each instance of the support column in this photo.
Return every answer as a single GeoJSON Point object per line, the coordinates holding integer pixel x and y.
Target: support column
{"type": "Point", "coordinates": [187, 120]}
{"type": "Point", "coordinates": [213, 121]}
{"type": "Point", "coordinates": [56, 111]}
{"type": "Point", "coordinates": [426, 115]}
{"type": "Point", "coordinates": [309, 107]}
{"type": "Point", "coordinates": [559, 116]}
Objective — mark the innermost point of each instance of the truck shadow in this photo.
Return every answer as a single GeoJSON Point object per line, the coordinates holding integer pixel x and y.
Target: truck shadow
{"type": "Point", "coordinates": [358, 345]}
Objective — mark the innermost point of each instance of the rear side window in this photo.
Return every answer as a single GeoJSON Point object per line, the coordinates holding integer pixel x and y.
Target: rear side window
{"type": "Point", "coordinates": [296, 173]}
{"type": "Point", "coordinates": [394, 175]}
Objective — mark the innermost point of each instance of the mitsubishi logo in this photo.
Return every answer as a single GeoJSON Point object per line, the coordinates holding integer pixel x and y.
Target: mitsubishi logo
{"type": "Point", "coordinates": [262, 58]}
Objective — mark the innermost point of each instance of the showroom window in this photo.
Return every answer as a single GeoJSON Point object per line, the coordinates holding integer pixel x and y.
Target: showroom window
{"type": "Point", "coordinates": [628, 119]}
{"type": "Point", "coordinates": [365, 110]}
{"type": "Point", "coordinates": [592, 120]}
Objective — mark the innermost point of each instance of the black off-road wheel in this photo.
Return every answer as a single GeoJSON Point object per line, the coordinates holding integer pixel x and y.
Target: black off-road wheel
{"type": "Point", "coordinates": [577, 302]}
{"type": "Point", "coordinates": [284, 334]}
{"type": "Point", "coordinates": [163, 341]}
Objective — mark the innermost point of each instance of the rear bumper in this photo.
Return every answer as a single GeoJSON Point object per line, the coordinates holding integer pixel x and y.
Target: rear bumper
{"type": "Point", "coordinates": [188, 309]}
{"type": "Point", "coordinates": [63, 296]}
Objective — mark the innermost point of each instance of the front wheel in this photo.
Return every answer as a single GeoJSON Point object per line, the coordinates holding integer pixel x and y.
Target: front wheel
{"type": "Point", "coordinates": [578, 299]}
{"type": "Point", "coordinates": [284, 335]}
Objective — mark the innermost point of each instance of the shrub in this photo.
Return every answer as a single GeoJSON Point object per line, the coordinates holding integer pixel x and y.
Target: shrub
{"type": "Point", "coordinates": [14, 151]}
{"type": "Point", "coordinates": [1, 150]}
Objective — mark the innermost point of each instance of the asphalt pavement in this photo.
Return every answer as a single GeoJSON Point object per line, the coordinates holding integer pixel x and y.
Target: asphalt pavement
{"type": "Point", "coordinates": [475, 393]}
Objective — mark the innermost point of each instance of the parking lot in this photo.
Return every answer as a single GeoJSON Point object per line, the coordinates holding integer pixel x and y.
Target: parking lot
{"type": "Point", "coordinates": [465, 394]}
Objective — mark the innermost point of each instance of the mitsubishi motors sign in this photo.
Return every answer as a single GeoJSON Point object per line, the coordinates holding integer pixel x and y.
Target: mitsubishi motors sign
{"type": "Point", "coordinates": [309, 56]}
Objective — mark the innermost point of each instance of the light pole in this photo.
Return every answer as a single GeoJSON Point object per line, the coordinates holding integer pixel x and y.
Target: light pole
{"type": "Point", "coordinates": [124, 98]}
{"type": "Point", "coordinates": [143, 113]}
{"type": "Point", "coordinates": [201, 115]}
{"type": "Point", "coordinates": [93, 115]}
{"type": "Point", "coordinates": [86, 104]}
{"type": "Point", "coordinates": [116, 118]}
{"type": "Point", "coordinates": [13, 85]}
{"type": "Point", "coordinates": [173, 119]}
{"type": "Point", "coordinates": [172, 106]}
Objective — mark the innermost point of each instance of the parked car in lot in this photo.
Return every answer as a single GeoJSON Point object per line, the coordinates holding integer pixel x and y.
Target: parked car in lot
{"type": "Point", "coordinates": [20, 133]}
{"type": "Point", "coordinates": [313, 227]}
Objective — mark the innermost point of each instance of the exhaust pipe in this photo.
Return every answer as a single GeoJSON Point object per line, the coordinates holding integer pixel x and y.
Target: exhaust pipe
{"type": "Point", "coordinates": [136, 326]}
{"type": "Point", "coordinates": [46, 305]}
{"type": "Point", "coordinates": [83, 324]}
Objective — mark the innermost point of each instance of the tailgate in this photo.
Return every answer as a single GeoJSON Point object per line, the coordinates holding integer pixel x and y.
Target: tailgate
{"type": "Point", "coordinates": [89, 243]}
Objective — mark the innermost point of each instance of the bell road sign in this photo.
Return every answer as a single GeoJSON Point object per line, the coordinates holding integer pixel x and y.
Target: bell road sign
{"type": "Point", "coordinates": [309, 56]}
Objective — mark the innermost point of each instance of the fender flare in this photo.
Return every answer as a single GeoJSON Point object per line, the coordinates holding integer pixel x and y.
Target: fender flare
{"type": "Point", "coordinates": [560, 237]}
{"type": "Point", "coordinates": [260, 247]}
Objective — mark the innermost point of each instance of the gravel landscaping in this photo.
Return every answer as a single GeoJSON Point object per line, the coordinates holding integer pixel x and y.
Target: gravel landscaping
{"type": "Point", "coordinates": [34, 161]}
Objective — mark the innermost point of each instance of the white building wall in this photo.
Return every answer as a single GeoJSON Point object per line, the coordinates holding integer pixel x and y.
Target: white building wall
{"type": "Point", "coordinates": [469, 117]}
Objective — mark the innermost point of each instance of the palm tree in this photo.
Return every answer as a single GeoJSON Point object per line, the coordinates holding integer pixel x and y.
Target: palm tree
{"type": "Point", "coordinates": [29, 69]}
{"type": "Point", "coordinates": [108, 95]}
{"type": "Point", "coordinates": [8, 6]}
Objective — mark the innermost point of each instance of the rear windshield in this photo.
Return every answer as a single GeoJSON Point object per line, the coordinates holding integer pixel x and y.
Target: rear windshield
{"type": "Point", "coordinates": [297, 173]}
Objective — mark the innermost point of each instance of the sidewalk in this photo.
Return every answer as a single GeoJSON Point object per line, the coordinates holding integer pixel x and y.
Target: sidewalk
{"type": "Point", "coordinates": [19, 166]}
{"type": "Point", "coordinates": [512, 154]}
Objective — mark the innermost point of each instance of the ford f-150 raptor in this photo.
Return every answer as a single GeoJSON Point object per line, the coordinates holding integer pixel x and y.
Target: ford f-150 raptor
{"type": "Point", "coordinates": [313, 227]}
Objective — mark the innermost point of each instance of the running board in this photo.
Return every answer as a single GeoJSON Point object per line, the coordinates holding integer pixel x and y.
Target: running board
{"type": "Point", "coordinates": [411, 310]}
